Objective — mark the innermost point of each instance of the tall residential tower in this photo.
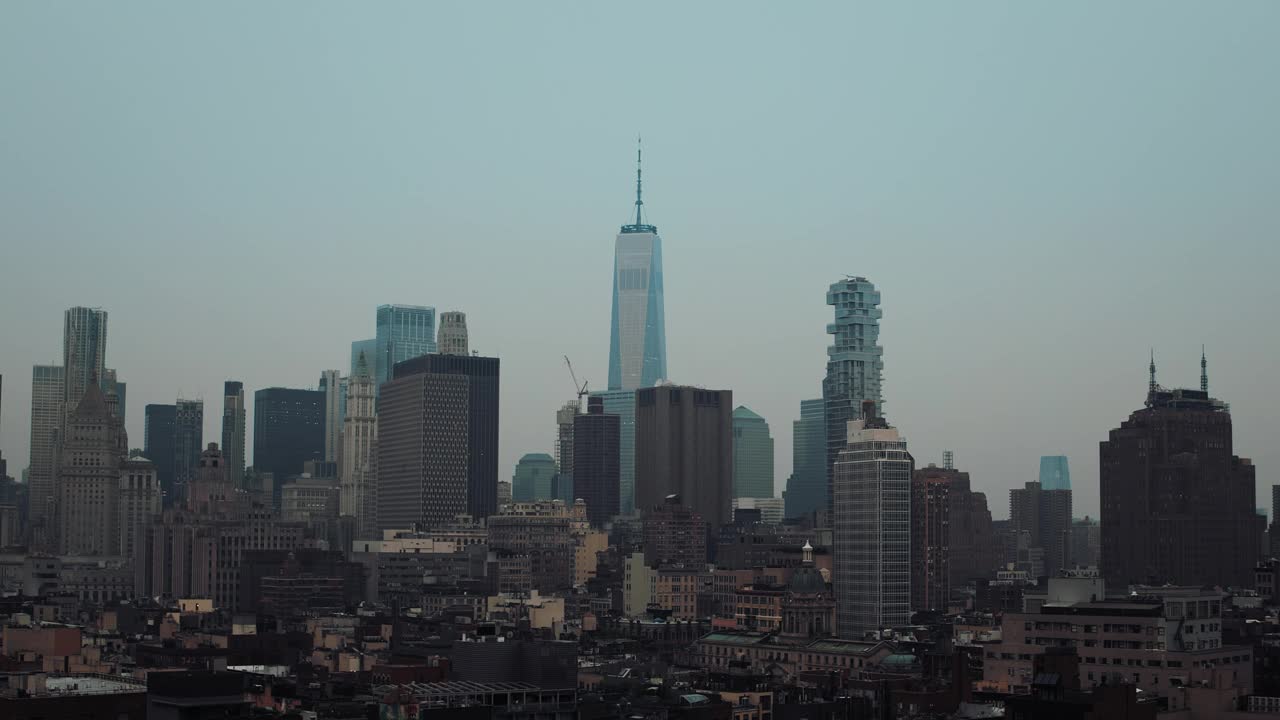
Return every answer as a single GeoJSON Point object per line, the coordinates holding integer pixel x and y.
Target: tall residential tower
{"type": "Point", "coordinates": [404, 331]}
{"type": "Point", "coordinates": [854, 361]}
{"type": "Point", "coordinates": [638, 336]}
{"type": "Point", "coordinates": [233, 429]}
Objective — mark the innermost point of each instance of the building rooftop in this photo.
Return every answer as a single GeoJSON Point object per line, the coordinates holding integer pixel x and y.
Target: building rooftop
{"type": "Point", "coordinates": [92, 685]}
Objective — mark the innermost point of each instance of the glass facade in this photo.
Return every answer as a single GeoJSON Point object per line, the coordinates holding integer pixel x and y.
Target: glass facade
{"type": "Point", "coordinates": [534, 478]}
{"type": "Point", "coordinates": [404, 332]}
{"type": "Point", "coordinates": [623, 404]}
{"type": "Point", "coordinates": [752, 455]}
{"type": "Point", "coordinates": [1054, 474]}
{"type": "Point", "coordinates": [84, 351]}
{"type": "Point", "coordinates": [872, 531]}
{"type": "Point", "coordinates": [807, 486]}
{"type": "Point", "coordinates": [854, 360]}
{"type": "Point", "coordinates": [638, 335]}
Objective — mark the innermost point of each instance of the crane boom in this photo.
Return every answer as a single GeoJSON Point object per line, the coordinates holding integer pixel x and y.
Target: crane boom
{"type": "Point", "coordinates": [580, 389]}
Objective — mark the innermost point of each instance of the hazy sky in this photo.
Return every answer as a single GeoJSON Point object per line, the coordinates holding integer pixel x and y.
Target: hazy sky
{"type": "Point", "coordinates": [1041, 191]}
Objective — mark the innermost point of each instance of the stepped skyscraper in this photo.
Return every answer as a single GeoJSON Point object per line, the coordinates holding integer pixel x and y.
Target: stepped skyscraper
{"type": "Point", "coordinates": [638, 337]}
{"type": "Point", "coordinates": [854, 361]}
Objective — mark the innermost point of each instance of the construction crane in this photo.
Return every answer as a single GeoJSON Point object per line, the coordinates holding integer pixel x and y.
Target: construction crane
{"type": "Point", "coordinates": [580, 389]}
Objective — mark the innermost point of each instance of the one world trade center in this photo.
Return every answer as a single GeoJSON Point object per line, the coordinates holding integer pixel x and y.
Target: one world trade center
{"type": "Point", "coordinates": [638, 338]}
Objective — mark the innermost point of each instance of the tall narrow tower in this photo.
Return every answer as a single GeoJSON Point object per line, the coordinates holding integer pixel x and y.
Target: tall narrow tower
{"type": "Point", "coordinates": [638, 336]}
{"type": "Point", "coordinates": [84, 351]}
{"type": "Point", "coordinates": [854, 362]}
{"type": "Point", "coordinates": [233, 428]}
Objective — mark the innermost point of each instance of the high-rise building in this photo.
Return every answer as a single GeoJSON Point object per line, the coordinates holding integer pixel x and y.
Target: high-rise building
{"type": "Point", "coordinates": [404, 332]}
{"type": "Point", "coordinates": [452, 339]}
{"type": "Point", "coordinates": [952, 542]}
{"type": "Point", "coordinates": [333, 385]}
{"type": "Point", "coordinates": [288, 430]}
{"type": "Point", "coordinates": [159, 433]}
{"type": "Point", "coordinates": [752, 455]}
{"type": "Point", "coordinates": [854, 362]}
{"type": "Point", "coordinates": [112, 385]}
{"type": "Point", "coordinates": [1045, 515]}
{"type": "Point", "coordinates": [233, 430]}
{"type": "Point", "coordinates": [623, 404]}
{"type": "Point", "coordinates": [89, 457]}
{"type": "Point", "coordinates": [1054, 474]}
{"type": "Point", "coordinates": [481, 374]}
{"type": "Point", "coordinates": [674, 535]}
{"type": "Point", "coordinates": [807, 486]}
{"type": "Point", "coordinates": [423, 451]}
{"type": "Point", "coordinates": [1177, 503]}
{"type": "Point", "coordinates": [138, 503]}
{"type": "Point", "coordinates": [638, 335]}
{"type": "Point", "coordinates": [534, 478]}
{"type": "Point", "coordinates": [188, 443]}
{"type": "Point", "coordinates": [369, 348]}
{"type": "Point", "coordinates": [1086, 542]}
{"type": "Point", "coordinates": [564, 445]}
{"type": "Point", "coordinates": [684, 446]}
{"type": "Point", "coordinates": [46, 422]}
{"type": "Point", "coordinates": [356, 478]}
{"type": "Point", "coordinates": [872, 527]}
{"type": "Point", "coordinates": [84, 353]}
{"type": "Point", "coordinates": [596, 476]}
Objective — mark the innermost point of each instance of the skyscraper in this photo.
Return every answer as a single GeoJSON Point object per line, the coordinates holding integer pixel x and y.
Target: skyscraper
{"type": "Point", "coordinates": [357, 479]}
{"type": "Point", "coordinates": [952, 542]}
{"type": "Point", "coordinates": [188, 443]}
{"type": "Point", "coordinates": [404, 332]}
{"type": "Point", "coordinates": [623, 404]}
{"type": "Point", "coordinates": [1054, 474]}
{"type": "Point", "coordinates": [422, 450]}
{"type": "Point", "coordinates": [89, 456]}
{"type": "Point", "coordinates": [334, 389]}
{"type": "Point", "coordinates": [684, 446]}
{"type": "Point", "coordinates": [534, 478]}
{"type": "Point", "coordinates": [370, 349]}
{"type": "Point", "coordinates": [854, 361]}
{"type": "Point", "coordinates": [84, 353]}
{"type": "Point", "coordinates": [638, 336]}
{"type": "Point", "coordinates": [46, 422]}
{"type": "Point", "coordinates": [159, 433]}
{"type": "Point", "coordinates": [807, 486]}
{"type": "Point", "coordinates": [112, 385]}
{"type": "Point", "coordinates": [1177, 503]}
{"type": "Point", "coordinates": [1045, 516]}
{"type": "Point", "coordinates": [752, 455]}
{"type": "Point", "coordinates": [481, 374]}
{"type": "Point", "coordinates": [595, 462]}
{"type": "Point", "coordinates": [233, 431]}
{"type": "Point", "coordinates": [564, 446]}
{"type": "Point", "coordinates": [872, 527]}
{"type": "Point", "coordinates": [288, 430]}
{"type": "Point", "coordinates": [452, 339]}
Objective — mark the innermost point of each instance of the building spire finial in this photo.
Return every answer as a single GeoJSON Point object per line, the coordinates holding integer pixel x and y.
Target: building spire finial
{"type": "Point", "coordinates": [639, 202]}
{"type": "Point", "coordinates": [1151, 386]}
{"type": "Point", "coordinates": [1204, 372]}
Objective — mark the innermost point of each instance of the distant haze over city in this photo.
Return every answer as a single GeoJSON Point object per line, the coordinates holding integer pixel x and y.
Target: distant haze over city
{"type": "Point", "coordinates": [1039, 200]}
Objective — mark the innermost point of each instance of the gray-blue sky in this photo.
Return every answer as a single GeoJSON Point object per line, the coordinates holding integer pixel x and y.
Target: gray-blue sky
{"type": "Point", "coordinates": [1041, 191]}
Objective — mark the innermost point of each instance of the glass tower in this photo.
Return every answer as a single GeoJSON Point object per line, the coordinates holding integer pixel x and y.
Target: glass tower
{"type": "Point", "coordinates": [854, 361]}
{"type": "Point", "coordinates": [638, 335]}
{"type": "Point", "coordinates": [623, 404]}
{"type": "Point", "coordinates": [404, 331]}
{"type": "Point", "coordinates": [807, 486]}
{"type": "Point", "coordinates": [752, 455]}
{"type": "Point", "coordinates": [1054, 474]}
{"type": "Point", "coordinates": [84, 350]}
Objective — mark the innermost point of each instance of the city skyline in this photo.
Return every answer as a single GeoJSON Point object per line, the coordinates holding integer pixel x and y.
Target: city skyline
{"type": "Point", "coordinates": [1007, 214]}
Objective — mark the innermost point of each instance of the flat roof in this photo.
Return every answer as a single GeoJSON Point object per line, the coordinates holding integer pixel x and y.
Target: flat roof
{"type": "Point", "coordinates": [95, 685]}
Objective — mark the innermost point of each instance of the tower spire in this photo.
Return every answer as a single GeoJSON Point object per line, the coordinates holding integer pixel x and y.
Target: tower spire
{"type": "Point", "coordinates": [639, 202]}
{"type": "Point", "coordinates": [1151, 386]}
{"type": "Point", "coordinates": [1204, 372]}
